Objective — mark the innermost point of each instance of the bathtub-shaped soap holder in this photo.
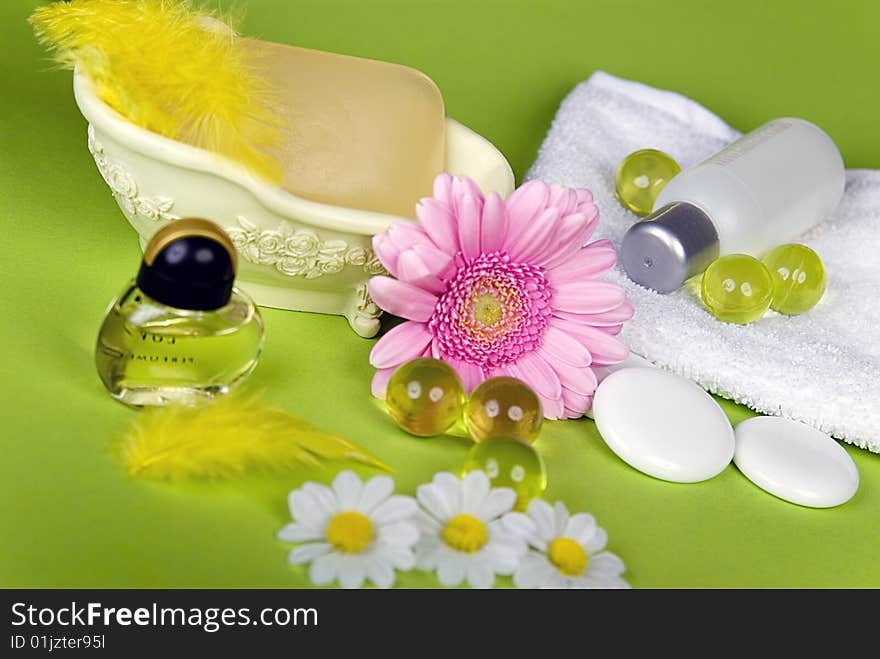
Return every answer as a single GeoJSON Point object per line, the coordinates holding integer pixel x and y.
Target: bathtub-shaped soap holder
{"type": "Point", "coordinates": [295, 253]}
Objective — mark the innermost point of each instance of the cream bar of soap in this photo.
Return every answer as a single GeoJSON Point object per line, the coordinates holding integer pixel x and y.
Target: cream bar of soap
{"type": "Point", "coordinates": [361, 133]}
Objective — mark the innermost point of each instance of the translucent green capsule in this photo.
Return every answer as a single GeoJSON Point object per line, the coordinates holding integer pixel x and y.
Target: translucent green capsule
{"type": "Point", "coordinates": [641, 176]}
{"type": "Point", "coordinates": [737, 288]}
{"type": "Point", "coordinates": [503, 407]}
{"type": "Point", "coordinates": [509, 463]}
{"type": "Point", "coordinates": [425, 397]}
{"type": "Point", "coordinates": [798, 278]}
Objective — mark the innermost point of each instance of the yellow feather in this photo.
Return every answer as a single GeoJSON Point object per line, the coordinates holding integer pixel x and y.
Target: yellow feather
{"type": "Point", "coordinates": [227, 438]}
{"type": "Point", "coordinates": [172, 69]}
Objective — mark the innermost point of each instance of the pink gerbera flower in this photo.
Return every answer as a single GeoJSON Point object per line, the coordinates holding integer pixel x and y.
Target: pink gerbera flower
{"type": "Point", "coordinates": [495, 287]}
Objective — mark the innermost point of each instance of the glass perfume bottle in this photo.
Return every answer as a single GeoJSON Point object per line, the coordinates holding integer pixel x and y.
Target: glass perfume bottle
{"type": "Point", "coordinates": [180, 332]}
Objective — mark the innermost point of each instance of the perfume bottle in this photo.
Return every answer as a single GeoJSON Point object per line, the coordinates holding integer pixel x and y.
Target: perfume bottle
{"type": "Point", "coordinates": [180, 332]}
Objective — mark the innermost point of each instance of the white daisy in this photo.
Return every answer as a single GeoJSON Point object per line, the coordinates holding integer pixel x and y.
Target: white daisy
{"type": "Point", "coordinates": [462, 536]}
{"type": "Point", "coordinates": [354, 531]}
{"type": "Point", "coordinates": [566, 550]}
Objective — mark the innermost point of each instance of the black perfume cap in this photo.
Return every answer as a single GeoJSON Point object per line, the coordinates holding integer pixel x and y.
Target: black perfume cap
{"type": "Point", "coordinates": [189, 264]}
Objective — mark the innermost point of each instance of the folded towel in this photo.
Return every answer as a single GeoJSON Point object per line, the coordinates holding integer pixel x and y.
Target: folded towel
{"type": "Point", "coordinates": [822, 367]}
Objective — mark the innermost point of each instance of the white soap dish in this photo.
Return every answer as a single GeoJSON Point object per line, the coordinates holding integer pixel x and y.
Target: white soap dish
{"type": "Point", "coordinates": [296, 253]}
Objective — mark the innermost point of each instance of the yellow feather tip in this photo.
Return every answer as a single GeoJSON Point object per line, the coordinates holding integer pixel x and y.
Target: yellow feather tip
{"type": "Point", "coordinates": [175, 70]}
{"type": "Point", "coordinates": [226, 438]}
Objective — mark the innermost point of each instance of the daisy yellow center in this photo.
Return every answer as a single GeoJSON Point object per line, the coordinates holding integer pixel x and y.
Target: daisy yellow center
{"type": "Point", "coordinates": [350, 532]}
{"type": "Point", "coordinates": [488, 310]}
{"type": "Point", "coordinates": [465, 533]}
{"type": "Point", "coordinates": [568, 556]}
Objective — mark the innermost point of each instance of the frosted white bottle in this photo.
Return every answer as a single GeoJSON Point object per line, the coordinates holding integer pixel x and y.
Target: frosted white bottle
{"type": "Point", "coordinates": [764, 190]}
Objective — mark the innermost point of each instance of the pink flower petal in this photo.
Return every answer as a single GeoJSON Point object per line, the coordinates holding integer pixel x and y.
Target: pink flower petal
{"type": "Point", "coordinates": [604, 348]}
{"type": "Point", "coordinates": [572, 234]}
{"type": "Point", "coordinates": [580, 380]}
{"type": "Point", "coordinates": [469, 227]}
{"type": "Point", "coordinates": [599, 245]}
{"type": "Point", "coordinates": [597, 248]}
{"type": "Point", "coordinates": [583, 195]}
{"type": "Point", "coordinates": [534, 238]}
{"type": "Point", "coordinates": [443, 189]}
{"type": "Point", "coordinates": [387, 252]}
{"type": "Point", "coordinates": [561, 346]}
{"type": "Point", "coordinates": [439, 223]}
{"type": "Point", "coordinates": [413, 270]}
{"type": "Point", "coordinates": [402, 299]}
{"type": "Point", "coordinates": [566, 240]}
{"type": "Point", "coordinates": [399, 238]}
{"type": "Point", "coordinates": [525, 203]}
{"type": "Point", "coordinates": [577, 233]}
{"type": "Point", "coordinates": [462, 186]}
{"type": "Point", "coordinates": [589, 296]}
{"type": "Point", "coordinates": [553, 408]}
{"type": "Point", "coordinates": [582, 265]}
{"type": "Point", "coordinates": [611, 351]}
{"type": "Point", "coordinates": [494, 225]}
{"type": "Point", "coordinates": [400, 344]}
{"type": "Point", "coordinates": [537, 373]}
{"type": "Point", "coordinates": [406, 234]}
{"type": "Point", "coordinates": [562, 198]}
{"type": "Point", "coordinates": [615, 316]}
{"type": "Point", "coordinates": [592, 213]}
{"type": "Point", "coordinates": [437, 262]}
{"type": "Point", "coordinates": [575, 404]}
{"type": "Point", "coordinates": [553, 248]}
{"type": "Point", "coordinates": [471, 375]}
{"type": "Point", "coordinates": [379, 386]}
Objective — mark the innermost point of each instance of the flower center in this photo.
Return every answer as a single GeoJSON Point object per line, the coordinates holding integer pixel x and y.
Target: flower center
{"type": "Point", "coordinates": [568, 556]}
{"type": "Point", "coordinates": [492, 311]}
{"type": "Point", "coordinates": [465, 533]}
{"type": "Point", "coordinates": [487, 310]}
{"type": "Point", "coordinates": [350, 532]}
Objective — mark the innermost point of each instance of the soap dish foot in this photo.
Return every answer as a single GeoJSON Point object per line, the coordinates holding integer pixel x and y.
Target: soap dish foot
{"type": "Point", "coordinates": [363, 314]}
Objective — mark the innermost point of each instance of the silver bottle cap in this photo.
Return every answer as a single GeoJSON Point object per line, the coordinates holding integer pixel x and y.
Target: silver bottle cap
{"type": "Point", "coordinates": [669, 246]}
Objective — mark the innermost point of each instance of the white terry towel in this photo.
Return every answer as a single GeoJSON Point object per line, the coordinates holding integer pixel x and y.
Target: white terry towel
{"type": "Point", "coordinates": [822, 367]}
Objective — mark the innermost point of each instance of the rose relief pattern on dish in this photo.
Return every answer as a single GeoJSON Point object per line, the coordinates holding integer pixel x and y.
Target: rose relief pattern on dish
{"type": "Point", "coordinates": [299, 252]}
{"type": "Point", "coordinates": [125, 188]}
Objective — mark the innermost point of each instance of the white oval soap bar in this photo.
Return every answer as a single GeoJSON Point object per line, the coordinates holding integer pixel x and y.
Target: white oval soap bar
{"type": "Point", "coordinates": [663, 425]}
{"type": "Point", "coordinates": [795, 462]}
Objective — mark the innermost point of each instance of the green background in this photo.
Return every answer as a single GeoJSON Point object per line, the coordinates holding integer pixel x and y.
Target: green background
{"type": "Point", "coordinates": [68, 514]}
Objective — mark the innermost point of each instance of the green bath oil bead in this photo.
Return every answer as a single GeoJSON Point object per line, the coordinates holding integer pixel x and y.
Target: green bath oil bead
{"type": "Point", "coordinates": [425, 397]}
{"type": "Point", "coordinates": [509, 462]}
{"type": "Point", "coordinates": [798, 278]}
{"type": "Point", "coordinates": [737, 288]}
{"type": "Point", "coordinates": [503, 407]}
{"type": "Point", "coordinates": [640, 178]}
